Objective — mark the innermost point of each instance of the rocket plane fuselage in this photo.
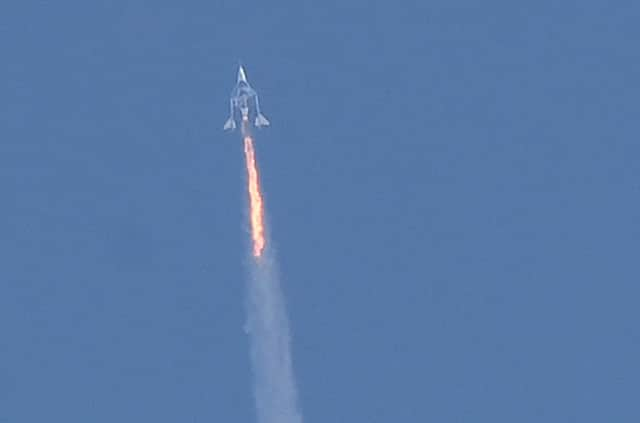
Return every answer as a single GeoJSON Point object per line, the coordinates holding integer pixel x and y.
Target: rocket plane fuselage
{"type": "Point", "coordinates": [244, 105]}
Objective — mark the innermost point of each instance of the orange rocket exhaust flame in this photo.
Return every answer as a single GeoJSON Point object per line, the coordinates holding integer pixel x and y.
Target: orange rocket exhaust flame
{"type": "Point", "coordinates": [256, 213]}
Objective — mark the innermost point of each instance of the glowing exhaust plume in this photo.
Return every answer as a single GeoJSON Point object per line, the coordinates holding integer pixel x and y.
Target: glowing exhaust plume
{"type": "Point", "coordinates": [255, 198]}
{"type": "Point", "coordinates": [267, 323]}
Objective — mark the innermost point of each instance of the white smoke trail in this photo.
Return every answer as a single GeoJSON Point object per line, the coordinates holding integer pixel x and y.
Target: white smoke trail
{"type": "Point", "coordinates": [268, 327]}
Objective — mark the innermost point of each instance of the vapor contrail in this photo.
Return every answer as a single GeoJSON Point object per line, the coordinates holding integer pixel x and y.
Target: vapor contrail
{"type": "Point", "coordinates": [267, 323]}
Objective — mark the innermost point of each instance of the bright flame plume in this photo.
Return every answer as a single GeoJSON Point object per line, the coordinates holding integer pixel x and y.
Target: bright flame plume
{"type": "Point", "coordinates": [255, 198]}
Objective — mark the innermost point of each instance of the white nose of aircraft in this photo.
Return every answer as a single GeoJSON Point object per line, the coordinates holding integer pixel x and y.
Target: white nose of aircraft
{"type": "Point", "coordinates": [241, 75]}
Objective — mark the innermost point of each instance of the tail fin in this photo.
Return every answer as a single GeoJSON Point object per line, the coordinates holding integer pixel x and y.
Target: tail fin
{"type": "Point", "coordinates": [261, 121]}
{"type": "Point", "coordinates": [230, 124]}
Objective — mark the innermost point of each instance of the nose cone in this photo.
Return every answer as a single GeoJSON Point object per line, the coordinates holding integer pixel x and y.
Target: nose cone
{"type": "Point", "coordinates": [241, 75]}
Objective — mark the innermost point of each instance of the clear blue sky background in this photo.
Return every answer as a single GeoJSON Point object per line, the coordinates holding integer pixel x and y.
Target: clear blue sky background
{"type": "Point", "coordinates": [453, 189]}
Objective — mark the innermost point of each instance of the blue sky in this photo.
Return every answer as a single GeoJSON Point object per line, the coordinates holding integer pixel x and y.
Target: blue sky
{"type": "Point", "coordinates": [452, 188]}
